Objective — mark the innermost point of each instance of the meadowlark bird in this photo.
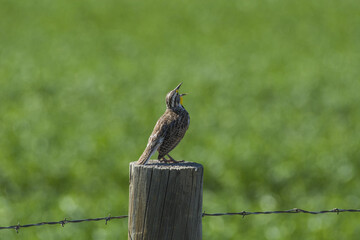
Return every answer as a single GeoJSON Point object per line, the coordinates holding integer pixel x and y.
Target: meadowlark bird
{"type": "Point", "coordinates": [169, 129]}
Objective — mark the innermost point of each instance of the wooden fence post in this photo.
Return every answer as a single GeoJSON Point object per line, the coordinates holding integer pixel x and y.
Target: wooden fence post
{"type": "Point", "coordinates": [165, 201]}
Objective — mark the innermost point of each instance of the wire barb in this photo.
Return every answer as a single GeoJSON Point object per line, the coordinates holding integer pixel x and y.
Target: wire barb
{"type": "Point", "coordinates": [336, 210]}
{"type": "Point", "coordinates": [17, 227]}
{"type": "Point", "coordinates": [63, 222]}
{"type": "Point", "coordinates": [108, 218]}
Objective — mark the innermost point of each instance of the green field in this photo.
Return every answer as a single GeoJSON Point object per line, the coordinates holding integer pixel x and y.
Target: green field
{"type": "Point", "coordinates": [274, 101]}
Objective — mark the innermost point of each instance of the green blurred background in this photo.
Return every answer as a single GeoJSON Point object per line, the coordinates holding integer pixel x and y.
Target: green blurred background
{"type": "Point", "coordinates": [273, 98]}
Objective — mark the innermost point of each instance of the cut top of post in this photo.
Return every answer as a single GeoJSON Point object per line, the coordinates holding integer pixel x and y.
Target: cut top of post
{"type": "Point", "coordinates": [171, 166]}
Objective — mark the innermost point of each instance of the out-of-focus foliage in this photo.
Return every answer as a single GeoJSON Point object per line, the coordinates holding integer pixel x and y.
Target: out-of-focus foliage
{"type": "Point", "coordinates": [273, 98]}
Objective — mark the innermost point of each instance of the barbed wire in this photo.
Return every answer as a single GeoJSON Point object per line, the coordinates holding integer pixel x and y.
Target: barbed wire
{"type": "Point", "coordinates": [204, 214]}
{"type": "Point", "coordinates": [294, 210]}
{"type": "Point", "coordinates": [63, 222]}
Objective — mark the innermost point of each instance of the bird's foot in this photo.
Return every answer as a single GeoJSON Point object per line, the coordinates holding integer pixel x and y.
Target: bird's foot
{"type": "Point", "coordinates": [164, 160]}
{"type": "Point", "coordinates": [171, 160]}
{"type": "Point", "coordinates": [174, 161]}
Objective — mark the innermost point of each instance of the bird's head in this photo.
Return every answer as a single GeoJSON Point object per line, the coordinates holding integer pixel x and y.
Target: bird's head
{"type": "Point", "coordinates": [174, 98]}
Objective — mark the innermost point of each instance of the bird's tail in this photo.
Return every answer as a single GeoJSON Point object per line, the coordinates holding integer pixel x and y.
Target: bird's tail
{"type": "Point", "coordinates": [148, 152]}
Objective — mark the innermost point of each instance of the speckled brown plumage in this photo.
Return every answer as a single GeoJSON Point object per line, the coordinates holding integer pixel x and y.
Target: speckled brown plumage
{"type": "Point", "coordinates": [169, 129]}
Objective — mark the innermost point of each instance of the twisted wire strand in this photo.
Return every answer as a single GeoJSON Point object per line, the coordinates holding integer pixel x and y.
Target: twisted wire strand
{"type": "Point", "coordinates": [63, 222]}
{"type": "Point", "coordinates": [294, 210]}
{"type": "Point", "coordinates": [204, 214]}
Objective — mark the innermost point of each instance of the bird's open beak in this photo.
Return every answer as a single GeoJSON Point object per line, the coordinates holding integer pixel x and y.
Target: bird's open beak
{"type": "Point", "coordinates": [177, 88]}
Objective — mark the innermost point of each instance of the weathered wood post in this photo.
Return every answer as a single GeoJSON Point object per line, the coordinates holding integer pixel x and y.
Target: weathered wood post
{"type": "Point", "coordinates": [165, 201]}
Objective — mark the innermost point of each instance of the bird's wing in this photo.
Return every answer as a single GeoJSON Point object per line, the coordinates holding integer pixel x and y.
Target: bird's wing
{"type": "Point", "coordinates": [175, 132]}
{"type": "Point", "coordinates": [155, 140]}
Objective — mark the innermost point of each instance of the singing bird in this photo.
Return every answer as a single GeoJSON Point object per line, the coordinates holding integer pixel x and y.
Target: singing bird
{"type": "Point", "coordinates": [169, 129]}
